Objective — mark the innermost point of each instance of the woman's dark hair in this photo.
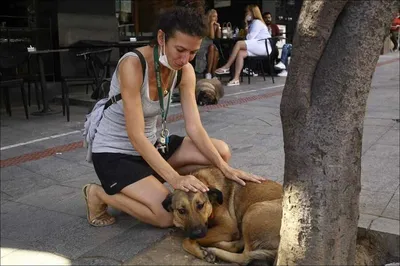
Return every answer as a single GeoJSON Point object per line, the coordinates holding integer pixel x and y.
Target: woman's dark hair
{"type": "Point", "coordinates": [188, 20]}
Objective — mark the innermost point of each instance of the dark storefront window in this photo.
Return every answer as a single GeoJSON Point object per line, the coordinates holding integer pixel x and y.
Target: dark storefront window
{"type": "Point", "coordinates": [138, 17]}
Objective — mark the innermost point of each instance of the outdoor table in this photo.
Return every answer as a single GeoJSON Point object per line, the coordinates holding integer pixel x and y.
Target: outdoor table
{"type": "Point", "coordinates": [39, 53]}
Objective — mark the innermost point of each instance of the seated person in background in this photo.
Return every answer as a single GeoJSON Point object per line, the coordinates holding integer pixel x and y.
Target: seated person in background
{"type": "Point", "coordinates": [272, 28]}
{"type": "Point", "coordinates": [254, 45]}
{"type": "Point", "coordinates": [283, 63]}
{"type": "Point", "coordinates": [286, 49]}
{"type": "Point", "coordinates": [208, 54]}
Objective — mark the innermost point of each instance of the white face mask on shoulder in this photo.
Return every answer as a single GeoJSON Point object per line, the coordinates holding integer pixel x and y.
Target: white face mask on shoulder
{"type": "Point", "coordinates": [163, 57]}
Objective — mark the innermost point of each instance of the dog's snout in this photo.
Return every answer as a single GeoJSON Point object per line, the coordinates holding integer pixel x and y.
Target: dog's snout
{"type": "Point", "coordinates": [198, 232]}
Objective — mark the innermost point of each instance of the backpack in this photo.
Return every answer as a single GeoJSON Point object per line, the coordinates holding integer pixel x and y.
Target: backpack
{"type": "Point", "coordinates": [95, 115]}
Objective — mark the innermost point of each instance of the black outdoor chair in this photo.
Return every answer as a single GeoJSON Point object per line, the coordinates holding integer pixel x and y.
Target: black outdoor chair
{"type": "Point", "coordinates": [257, 62]}
{"type": "Point", "coordinates": [97, 69]}
{"type": "Point", "coordinates": [11, 58]}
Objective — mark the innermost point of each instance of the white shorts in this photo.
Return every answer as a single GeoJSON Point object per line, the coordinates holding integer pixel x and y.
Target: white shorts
{"type": "Point", "coordinates": [257, 47]}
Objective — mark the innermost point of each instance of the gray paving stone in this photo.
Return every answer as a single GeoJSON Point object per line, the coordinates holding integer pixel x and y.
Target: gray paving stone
{"type": "Point", "coordinates": [369, 121]}
{"type": "Point", "coordinates": [372, 134]}
{"type": "Point", "coordinates": [58, 198]}
{"type": "Point", "coordinates": [373, 203]}
{"type": "Point", "coordinates": [76, 156]}
{"type": "Point", "coordinates": [123, 247]}
{"type": "Point", "coordinates": [78, 237]}
{"type": "Point", "coordinates": [396, 126]}
{"type": "Point", "coordinates": [18, 182]}
{"type": "Point", "coordinates": [5, 197]}
{"type": "Point", "coordinates": [393, 208]}
{"type": "Point", "coordinates": [392, 137]}
{"type": "Point", "coordinates": [383, 151]}
{"type": "Point", "coordinates": [232, 135]}
{"type": "Point", "coordinates": [56, 168]}
{"type": "Point", "coordinates": [386, 225]}
{"type": "Point", "coordinates": [365, 220]}
{"type": "Point", "coordinates": [80, 181]}
{"type": "Point", "coordinates": [380, 174]}
{"type": "Point", "coordinates": [54, 142]}
{"type": "Point", "coordinates": [96, 261]}
{"type": "Point", "coordinates": [177, 128]}
{"type": "Point", "coordinates": [256, 107]}
{"type": "Point", "coordinates": [265, 143]}
{"type": "Point", "coordinates": [271, 166]}
{"type": "Point", "coordinates": [10, 136]}
{"type": "Point", "coordinates": [388, 114]}
{"type": "Point", "coordinates": [21, 222]}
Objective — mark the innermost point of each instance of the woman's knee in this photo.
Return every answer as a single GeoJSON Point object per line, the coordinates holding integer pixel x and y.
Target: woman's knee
{"type": "Point", "coordinates": [242, 45]}
{"type": "Point", "coordinates": [224, 150]}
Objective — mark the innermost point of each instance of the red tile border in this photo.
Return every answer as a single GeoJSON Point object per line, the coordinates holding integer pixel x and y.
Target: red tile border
{"type": "Point", "coordinates": [173, 118]}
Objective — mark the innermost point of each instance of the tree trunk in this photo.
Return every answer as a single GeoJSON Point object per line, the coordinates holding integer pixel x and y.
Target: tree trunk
{"type": "Point", "coordinates": [335, 51]}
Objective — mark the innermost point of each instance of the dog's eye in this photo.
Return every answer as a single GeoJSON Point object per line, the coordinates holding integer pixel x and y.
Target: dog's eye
{"type": "Point", "coordinates": [200, 206]}
{"type": "Point", "coordinates": [182, 211]}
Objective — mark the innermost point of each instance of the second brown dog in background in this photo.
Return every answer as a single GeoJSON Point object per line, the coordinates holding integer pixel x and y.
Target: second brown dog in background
{"type": "Point", "coordinates": [209, 91]}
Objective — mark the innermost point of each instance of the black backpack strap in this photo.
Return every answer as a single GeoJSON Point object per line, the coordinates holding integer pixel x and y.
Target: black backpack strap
{"type": "Point", "coordinates": [118, 97]}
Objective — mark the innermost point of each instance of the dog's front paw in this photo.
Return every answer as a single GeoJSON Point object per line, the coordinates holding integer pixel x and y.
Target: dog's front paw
{"type": "Point", "coordinates": [208, 255]}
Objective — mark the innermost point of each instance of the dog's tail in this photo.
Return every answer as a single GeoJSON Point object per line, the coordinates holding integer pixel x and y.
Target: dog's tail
{"type": "Point", "coordinates": [246, 257]}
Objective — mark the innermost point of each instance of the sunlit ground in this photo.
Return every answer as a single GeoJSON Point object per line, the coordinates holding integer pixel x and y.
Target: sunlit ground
{"type": "Point", "coordinates": [29, 257]}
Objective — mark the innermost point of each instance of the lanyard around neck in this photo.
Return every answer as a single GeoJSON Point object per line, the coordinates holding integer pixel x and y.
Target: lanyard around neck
{"type": "Point", "coordinates": [164, 112]}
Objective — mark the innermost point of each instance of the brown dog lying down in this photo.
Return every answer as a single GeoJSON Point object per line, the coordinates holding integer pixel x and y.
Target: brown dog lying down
{"type": "Point", "coordinates": [209, 91]}
{"type": "Point", "coordinates": [229, 218]}
{"type": "Point", "coordinates": [241, 224]}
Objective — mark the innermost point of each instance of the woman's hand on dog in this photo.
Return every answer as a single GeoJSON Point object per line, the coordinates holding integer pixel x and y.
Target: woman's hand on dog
{"type": "Point", "coordinates": [240, 176]}
{"type": "Point", "coordinates": [188, 183]}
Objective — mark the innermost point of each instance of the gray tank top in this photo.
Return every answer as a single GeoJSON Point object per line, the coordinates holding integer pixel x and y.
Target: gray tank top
{"type": "Point", "coordinates": [111, 135]}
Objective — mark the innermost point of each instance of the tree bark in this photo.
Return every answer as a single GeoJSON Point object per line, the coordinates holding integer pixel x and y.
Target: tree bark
{"type": "Point", "coordinates": [335, 52]}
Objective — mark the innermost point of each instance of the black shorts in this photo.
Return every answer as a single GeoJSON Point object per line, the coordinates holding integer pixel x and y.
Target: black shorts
{"type": "Point", "coordinates": [116, 171]}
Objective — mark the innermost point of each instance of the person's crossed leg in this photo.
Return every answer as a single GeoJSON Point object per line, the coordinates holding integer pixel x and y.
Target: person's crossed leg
{"type": "Point", "coordinates": [239, 53]}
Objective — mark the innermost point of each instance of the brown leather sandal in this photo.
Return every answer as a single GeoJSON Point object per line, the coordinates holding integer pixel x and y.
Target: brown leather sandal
{"type": "Point", "coordinates": [102, 218]}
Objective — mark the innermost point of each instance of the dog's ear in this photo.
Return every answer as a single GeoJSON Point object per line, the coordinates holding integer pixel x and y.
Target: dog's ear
{"type": "Point", "coordinates": [167, 203]}
{"type": "Point", "coordinates": [215, 195]}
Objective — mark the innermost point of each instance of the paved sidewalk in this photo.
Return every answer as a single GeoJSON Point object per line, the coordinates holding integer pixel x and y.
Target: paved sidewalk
{"type": "Point", "coordinates": [43, 214]}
